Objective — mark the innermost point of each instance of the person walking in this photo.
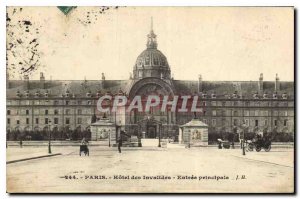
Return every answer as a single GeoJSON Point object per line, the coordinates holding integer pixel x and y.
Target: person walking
{"type": "Point", "coordinates": [120, 143]}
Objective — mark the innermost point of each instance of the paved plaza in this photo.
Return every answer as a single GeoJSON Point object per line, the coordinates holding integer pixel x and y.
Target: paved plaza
{"type": "Point", "coordinates": [151, 169]}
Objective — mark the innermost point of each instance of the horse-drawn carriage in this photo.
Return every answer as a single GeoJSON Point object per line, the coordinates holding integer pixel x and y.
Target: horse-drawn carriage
{"type": "Point", "coordinates": [259, 142]}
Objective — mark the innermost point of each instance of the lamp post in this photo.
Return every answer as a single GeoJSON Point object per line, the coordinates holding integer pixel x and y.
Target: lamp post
{"type": "Point", "coordinates": [189, 138]}
{"type": "Point", "coordinates": [109, 138]}
{"type": "Point", "coordinates": [159, 145]}
{"type": "Point", "coordinates": [49, 143]}
{"type": "Point", "coordinates": [243, 144]}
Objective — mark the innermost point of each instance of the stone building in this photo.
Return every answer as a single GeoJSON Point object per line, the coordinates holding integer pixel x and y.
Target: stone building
{"type": "Point", "coordinates": [68, 108]}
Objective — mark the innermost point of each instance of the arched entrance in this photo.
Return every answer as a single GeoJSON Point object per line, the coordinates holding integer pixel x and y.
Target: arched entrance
{"type": "Point", "coordinates": [149, 128]}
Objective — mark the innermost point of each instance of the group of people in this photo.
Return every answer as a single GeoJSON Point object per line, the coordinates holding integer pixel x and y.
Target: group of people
{"type": "Point", "coordinates": [85, 142]}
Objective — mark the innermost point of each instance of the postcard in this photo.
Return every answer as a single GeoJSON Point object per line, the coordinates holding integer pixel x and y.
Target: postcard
{"type": "Point", "coordinates": [150, 99]}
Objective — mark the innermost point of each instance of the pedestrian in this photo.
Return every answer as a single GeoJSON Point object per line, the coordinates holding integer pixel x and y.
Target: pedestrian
{"type": "Point", "coordinates": [120, 143]}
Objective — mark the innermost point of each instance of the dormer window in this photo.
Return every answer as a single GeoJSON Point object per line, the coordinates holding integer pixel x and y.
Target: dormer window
{"type": "Point", "coordinates": [213, 96]}
{"type": "Point", "coordinates": [255, 96]}
{"type": "Point", "coordinates": [26, 93]}
{"type": "Point", "coordinates": [284, 96]}
{"type": "Point", "coordinates": [88, 94]}
{"type": "Point", "coordinates": [18, 94]}
{"type": "Point", "coordinates": [204, 95]}
{"type": "Point", "coordinates": [37, 94]}
{"type": "Point", "coordinates": [265, 96]}
{"type": "Point", "coordinates": [98, 94]}
{"type": "Point", "coordinates": [275, 96]}
{"type": "Point", "coordinates": [67, 93]}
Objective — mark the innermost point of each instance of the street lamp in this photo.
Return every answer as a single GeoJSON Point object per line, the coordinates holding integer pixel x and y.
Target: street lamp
{"type": "Point", "coordinates": [49, 143]}
{"type": "Point", "coordinates": [243, 145]}
{"type": "Point", "coordinates": [109, 138]}
{"type": "Point", "coordinates": [159, 145]}
{"type": "Point", "coordinates": [189, 138]}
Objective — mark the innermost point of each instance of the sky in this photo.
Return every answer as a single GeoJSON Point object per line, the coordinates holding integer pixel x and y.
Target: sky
{"type": "Point", "coordinates": [220, 43]}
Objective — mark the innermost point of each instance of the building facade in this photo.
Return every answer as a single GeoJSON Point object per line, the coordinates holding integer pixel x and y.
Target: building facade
{"type": "Point", "coordinates": [68, 108]}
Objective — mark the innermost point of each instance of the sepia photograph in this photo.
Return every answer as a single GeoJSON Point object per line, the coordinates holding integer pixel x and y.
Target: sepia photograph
{"type": "Point", "coordinates": [122, 99]}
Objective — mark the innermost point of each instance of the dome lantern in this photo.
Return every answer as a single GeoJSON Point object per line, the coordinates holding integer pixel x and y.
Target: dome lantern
{"type": "Point", "coordinates": [151, 62]}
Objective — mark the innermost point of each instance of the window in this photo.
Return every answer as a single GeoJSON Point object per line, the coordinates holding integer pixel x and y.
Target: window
{"type": "Point", "coordinates": [55, 112]}
{"type": "Point", "coordinates": [27, 112]}
{"type": "Point", "coordinates": [89, 102]}
{"type": "Point", "coordinates": [205, 121]}
{"type": "Point", "coordinates": [247, 122]}
{"type": "Point", "coordinates": [256, 122]}
{"type": "Point", "coordinates": [204, 113]}
{"type": "Point", "coordinates": [285, 113]}
{"type": "Point", "coordinates": [246, 113]}
{"type": "Point", "coordinates": [56, 102]}
{"type": "Point", "coordinates": [266, 122]}
{"type": "Point", "coordinates": [223, 113]}
{"type": "Point", "coordinates": [235, 103]}
{"type": "Point", "coordinates": [275, 122]}
{"type": "Point", "coordinates": [55, 120]}
{"type": "Point", "coordinates": [155, 60]}
{"type": "Point", "coordinates": [214, 112]}
{"type": "Point", "coordinates": [79, 102]}
{"type": "Point", "coordinates": [285, 122]}
{"type": "Point", "coordinates": [67, 111]}
{"type": "Point", "coordinates": [256, 113]}
{"type": "Point", "coordinates": [37, 120]}
{"type": "Point", "coordinates": [147, 60]}
{"type": "Point", "coordinates": [213, 103]}
{"type": "Point", "coordinates": [213, 122]}
{"type": "Point", "coordinates": [140, 74]}
{"type": "Point", "coordinates": [8, 120]}
{"type": "Point", "coordinates": [79, 120]}
{"type": "Point", "coordinates": [79, 111]}
{"type": "Point", "coordinates": [67, 120]}
{"type": "Point", "coordinates": [46, 120]}
{"type": "Point", "coordinates": [67, 102]}
{"type": "Point", "coordinates": [223, 103]}
{"type": "Point", "coordinates": [27, 120]}
{"type": "Point", "coordinates": [235, 122]}
{"type": "Point", "coordinates": [204, 103]}
{"type": "Point", "coordinates": [8, 112]}
{"type": "Point", "coordinates": [235, 113]}
{"type": "Point", "coordinates": [18, 121]}
{"type": "Point", "coordinates": [46, 112]}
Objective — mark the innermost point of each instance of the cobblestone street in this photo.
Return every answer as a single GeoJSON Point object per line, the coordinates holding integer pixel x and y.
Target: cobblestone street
{"type": "Point", "coordinates": [105, 170]}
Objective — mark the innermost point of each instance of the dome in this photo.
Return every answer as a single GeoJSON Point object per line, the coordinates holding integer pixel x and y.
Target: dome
{"type": "Point", "coordinates": [151, 62]}
{"type": "Point", "coordinates": [151, 58]}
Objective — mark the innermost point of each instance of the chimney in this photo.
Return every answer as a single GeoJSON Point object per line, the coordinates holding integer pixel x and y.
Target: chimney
{"type": "Point", "coordinates": [260, 83]}
{"type": "Point", "coordinates": [42, 80]}
{"type": "Point", "coordinates": [26, 82]}
{"type": "Point", "coordinates": [103, 81]}
{"type": "Point", "coordinates": [200, 86]}
{"type": "Point", "coordinates": [277, 83]}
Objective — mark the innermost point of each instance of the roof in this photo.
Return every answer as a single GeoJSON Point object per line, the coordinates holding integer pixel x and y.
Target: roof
{"type": "Point", "coordinates": [195, 123]}
{"type": "Point", "coordinates": [151, 57]}
{"type": "Point", "coordinates": [103, 122]}
{"type": "Point", "coordinates": [56, 88]}
{"type": "Point", "coordinates": [244, 89]}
